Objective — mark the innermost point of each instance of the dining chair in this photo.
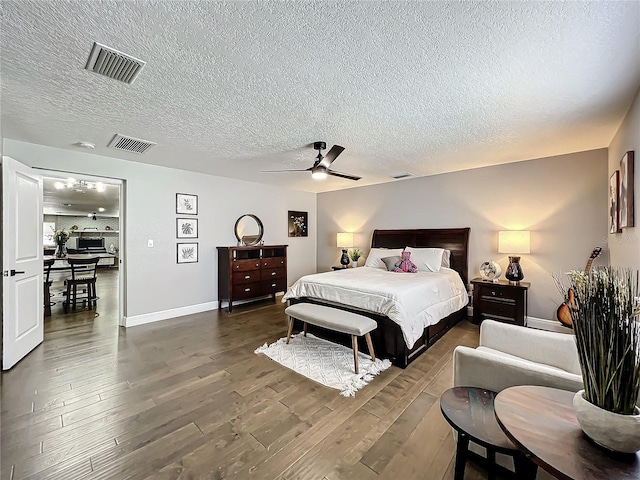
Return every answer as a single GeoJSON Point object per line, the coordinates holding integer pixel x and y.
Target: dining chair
{"type": "Point", "coordinates": [48, 263]}
{"type": "Point", "coordinates": [83, 273]}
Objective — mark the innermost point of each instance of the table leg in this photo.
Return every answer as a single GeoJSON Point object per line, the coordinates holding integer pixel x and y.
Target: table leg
{"type": "Point", "coordinates": [525, 468]}
{"type": "Point", "coordinates": [461, 455]}
{"type": "Point", "coordinates": [491, 464]}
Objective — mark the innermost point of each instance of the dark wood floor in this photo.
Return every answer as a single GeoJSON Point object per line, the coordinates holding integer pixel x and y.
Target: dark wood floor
{"type": "Point", "coordinates": [188, 398]}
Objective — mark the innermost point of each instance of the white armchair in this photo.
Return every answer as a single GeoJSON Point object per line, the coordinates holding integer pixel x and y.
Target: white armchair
{"type": "Point", "coordinates": [510, 355]}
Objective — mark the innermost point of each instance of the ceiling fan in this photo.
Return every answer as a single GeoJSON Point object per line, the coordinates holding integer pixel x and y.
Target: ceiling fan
{"type": "Point", "coordinates": [320, 168]}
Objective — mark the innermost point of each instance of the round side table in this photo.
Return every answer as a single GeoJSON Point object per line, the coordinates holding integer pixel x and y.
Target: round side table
{"type": "Point", "coordinates": [470, 412]}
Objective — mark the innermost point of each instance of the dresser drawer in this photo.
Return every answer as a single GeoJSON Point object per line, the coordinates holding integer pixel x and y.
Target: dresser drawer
{"type": "Point", "coordinates": [246, 290]}
{"type": "Point", "coordinates": [246, 276]}
{"type": "Point", "coordinates": [273, 262]}
{"type": "Point", "coordinates": [273, 286]}
{"type": "Point", "coordinates": [272, 273]}
{"type": "Point", "coordinates": [244, 265]}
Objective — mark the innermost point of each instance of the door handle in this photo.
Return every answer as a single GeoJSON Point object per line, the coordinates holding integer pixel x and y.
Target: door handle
{"type": "Point", "coordinates": [13, 273]}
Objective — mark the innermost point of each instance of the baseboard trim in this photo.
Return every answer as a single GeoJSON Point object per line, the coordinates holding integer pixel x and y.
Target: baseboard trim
{"type": "Point", "coordinates": [545, 324]}
{"type": "Point", "coordinates": [136, 320]}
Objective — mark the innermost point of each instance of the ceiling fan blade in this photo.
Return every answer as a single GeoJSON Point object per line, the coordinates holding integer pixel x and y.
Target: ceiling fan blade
{"type": "Point", "coordinates": [331, 156]}
{"type": "Point", "coordinates": [343, 175]}
{"type": "Point", "coordinates": [287, 170]}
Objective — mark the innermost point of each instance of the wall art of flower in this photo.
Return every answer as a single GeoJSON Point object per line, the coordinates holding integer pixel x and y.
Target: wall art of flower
{"type": "Point", "coordinates": [298, 222]}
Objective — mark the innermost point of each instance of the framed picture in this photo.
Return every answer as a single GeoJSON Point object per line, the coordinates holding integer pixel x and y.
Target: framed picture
{"type": "Point", "coordinates": [186, 204]}
{"type": "Point", "coordinates": [187, 253]}
{"type": "Point", "coordinates": [298, 222]}
{"type": "Point", "coordinates": [186, 227]}
{"type": "Point", "coordinates": [625, 196]}
{"type": "Point", "coordinates": [614, 214]}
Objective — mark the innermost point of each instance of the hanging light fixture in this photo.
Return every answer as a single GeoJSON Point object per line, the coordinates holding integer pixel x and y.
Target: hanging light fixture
{"type": "Point", "coordinates": [79, 186]}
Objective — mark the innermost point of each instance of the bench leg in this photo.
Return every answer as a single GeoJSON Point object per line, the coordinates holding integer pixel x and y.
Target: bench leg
{"type": "Point", "coordinates": [354, 343]}
{"type": "Point", "coordinates": [304, 327]}
{"type": "Point", "coordinates": [370, 346]}
{"type": "Point", "coordinates": [290, 329]}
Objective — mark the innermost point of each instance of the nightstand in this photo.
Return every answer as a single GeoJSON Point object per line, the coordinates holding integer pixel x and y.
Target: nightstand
{"type": "Point", "coordinates": [502, 301]}
{"type": "Point", "coordinates": [338, 267]}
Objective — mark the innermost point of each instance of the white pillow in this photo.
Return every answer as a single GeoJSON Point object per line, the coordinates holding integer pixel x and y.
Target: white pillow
{"type": "Point", "coordinates": [426, 259]}
{"type": "Point", "coordinates": [374, 259]}
{"type": "Point", "coordinates": [446, 258]}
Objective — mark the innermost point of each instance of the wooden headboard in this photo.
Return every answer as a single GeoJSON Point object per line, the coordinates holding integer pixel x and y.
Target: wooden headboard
{"type": "Point", "coordinates": [454, 239]}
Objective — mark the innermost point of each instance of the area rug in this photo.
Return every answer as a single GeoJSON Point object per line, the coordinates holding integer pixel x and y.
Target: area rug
{"type": "Point", "coordinates": [324, 362]}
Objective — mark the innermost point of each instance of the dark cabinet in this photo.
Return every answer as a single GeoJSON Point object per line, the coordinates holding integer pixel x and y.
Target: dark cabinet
{"type": "Point", "coordinates": [503, 301]}
{"type": "Point", "coordinates": [245, 273]}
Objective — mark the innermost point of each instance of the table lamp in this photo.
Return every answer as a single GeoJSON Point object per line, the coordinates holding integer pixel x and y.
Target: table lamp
{"type": "Point", "coordinates": [344, 241]}
{"type": "Point", "coordinates": [510, 242]}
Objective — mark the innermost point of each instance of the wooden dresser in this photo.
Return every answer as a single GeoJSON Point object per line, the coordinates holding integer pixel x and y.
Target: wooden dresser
{"type": "Point", "coordinates": [245, 273]}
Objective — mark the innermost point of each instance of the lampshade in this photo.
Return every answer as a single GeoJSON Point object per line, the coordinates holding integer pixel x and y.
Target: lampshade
{"type": "Point", "coordinates": [514, 241]}
{"type": "Point", "coordinates": [344, 240]}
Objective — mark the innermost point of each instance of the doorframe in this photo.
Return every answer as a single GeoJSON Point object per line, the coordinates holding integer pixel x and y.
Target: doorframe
{"type": "Point", "coordinates": [122, 264]}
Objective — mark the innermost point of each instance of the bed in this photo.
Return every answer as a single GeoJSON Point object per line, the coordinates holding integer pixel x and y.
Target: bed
{"type": "Point", "coordinates": [408, 327]}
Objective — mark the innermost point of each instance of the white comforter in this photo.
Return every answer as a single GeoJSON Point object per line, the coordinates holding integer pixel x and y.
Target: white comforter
{"type": "Point", "coordinates": [412, 300]}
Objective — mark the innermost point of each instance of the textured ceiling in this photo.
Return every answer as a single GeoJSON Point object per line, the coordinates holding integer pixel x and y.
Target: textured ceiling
{"type": "Point", "coordinates": [232, 88]}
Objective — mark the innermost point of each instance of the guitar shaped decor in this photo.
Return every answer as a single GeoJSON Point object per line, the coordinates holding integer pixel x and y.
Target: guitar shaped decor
{"type": "Point", "coordinates": [563, 314]}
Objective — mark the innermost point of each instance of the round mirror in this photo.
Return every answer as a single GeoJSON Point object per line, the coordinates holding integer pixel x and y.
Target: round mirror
{"type": "Point", "coordinates": [248, 230]}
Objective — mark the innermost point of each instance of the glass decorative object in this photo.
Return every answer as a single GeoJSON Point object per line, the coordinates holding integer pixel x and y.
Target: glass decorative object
{"type": "Point", "coordinates": [514, 271]}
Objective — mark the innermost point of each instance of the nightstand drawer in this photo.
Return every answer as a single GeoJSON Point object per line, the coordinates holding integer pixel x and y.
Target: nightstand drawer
{"type": "Point", "coordinates": [496, 308]}
{"type": "Point", "coordinates": [498, 293]}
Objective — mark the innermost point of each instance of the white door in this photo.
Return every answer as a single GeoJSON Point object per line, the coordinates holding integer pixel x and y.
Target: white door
{"type": "Point", "coordinates": [22, 286]}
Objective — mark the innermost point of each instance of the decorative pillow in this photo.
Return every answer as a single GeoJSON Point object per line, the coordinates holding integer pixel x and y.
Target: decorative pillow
{"type": "Point", "coordinates": [390, 262]}
{"type": "Point", "coordinates": [446, 258]}
{"type": "Point", "coordinates": [374, 259]}
{"type": "Point", "coordinates": [426, 259]}
{"type": "Point", "coordinates": [406, 265]}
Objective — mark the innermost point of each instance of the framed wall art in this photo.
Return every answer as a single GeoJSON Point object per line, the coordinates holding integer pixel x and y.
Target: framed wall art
{"type": "Point", "coordinates": [186, 227]}
{"type": "Point", "coordinates": [186, 204]}
{"type": "Point", "coordinates": [298, 222]}
{"type": "Point", "coordinates": [614, 214]}
{"type": "Point", "coordinates": [187, 253]}
{"type": "Point", "coordinates": [625, 195]}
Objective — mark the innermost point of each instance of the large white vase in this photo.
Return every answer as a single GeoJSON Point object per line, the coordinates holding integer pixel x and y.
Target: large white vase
{"type": "Point", "coordinates": [620, 433]}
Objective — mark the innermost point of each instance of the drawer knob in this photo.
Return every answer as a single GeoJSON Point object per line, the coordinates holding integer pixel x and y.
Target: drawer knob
{"type": "Point", "coordinates": [273, 284]}
{"type": "Point", "coordinates": [273, 273]}
{"type": "Point", "coordinates": [247, 289]}
{"type": "Point", "coordinates": [247, 276]}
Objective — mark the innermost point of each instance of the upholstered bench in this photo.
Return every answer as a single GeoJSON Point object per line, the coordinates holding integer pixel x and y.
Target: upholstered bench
{"type": "Point", "coordinates": [333, 319]}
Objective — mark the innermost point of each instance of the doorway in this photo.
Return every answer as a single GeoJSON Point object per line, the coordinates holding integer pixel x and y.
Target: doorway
{"type": "Point", "coordinates": [86, 212]}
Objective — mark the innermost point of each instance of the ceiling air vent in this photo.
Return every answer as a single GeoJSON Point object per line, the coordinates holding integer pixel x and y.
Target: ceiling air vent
{"type": "Point", "coordinates": [398, 176]}
{"type": "Point", "coordinates": [114, 64]}
{"type": "Point", "coordinates": [130, 144]}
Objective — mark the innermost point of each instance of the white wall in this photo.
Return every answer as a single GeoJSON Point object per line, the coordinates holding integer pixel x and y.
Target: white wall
{"type": "Point", "coordinates": [625, 246]}
{"type": "Point", "coordinates": [154, 282]}
{"type": "Point", "coordinates": [562, 200]}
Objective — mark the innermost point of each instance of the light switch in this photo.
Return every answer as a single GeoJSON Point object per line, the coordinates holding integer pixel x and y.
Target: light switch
{"type": "Point", "coordinates": [150, 243]}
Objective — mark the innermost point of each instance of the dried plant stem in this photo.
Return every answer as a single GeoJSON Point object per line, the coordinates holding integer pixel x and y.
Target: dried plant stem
{"type": "Point", "coordinates": [608, 337]}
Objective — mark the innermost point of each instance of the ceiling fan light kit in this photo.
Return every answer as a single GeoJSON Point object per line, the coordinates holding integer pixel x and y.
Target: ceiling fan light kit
{"type": "Point", "coordinates": [320, 169]}
{"type": "Point", "coordinates": [319, 173]}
